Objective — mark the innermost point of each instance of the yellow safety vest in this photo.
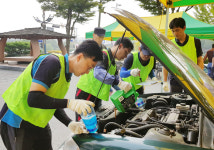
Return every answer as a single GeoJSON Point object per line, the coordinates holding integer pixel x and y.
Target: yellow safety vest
{"type": "Point", "coordinates": [189, 48]}
{"type": "Point", "coordinates": [144, 71]}
{"type": "Point", "coordinates": [88, 83]}
{"type": "Point", "coordinates": [17, 94]}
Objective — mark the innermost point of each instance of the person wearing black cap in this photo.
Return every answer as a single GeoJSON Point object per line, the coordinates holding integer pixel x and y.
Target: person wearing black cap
{"type": "Point", "coordinates": [38, 94]}
{"type": "Point", "coordinates": [137, 66]}
{"type": "Point", "coordinates": [98, 36]}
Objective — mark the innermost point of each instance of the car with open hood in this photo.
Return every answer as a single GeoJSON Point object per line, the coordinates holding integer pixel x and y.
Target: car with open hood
{"type": "Point", "coordinates": [167, 120]}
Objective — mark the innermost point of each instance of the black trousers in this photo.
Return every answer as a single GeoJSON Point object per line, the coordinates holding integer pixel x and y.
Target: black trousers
{"type": "Point", "coordinates": [80, 94]}
{"type": "Point", "coordinates": [27, 137]}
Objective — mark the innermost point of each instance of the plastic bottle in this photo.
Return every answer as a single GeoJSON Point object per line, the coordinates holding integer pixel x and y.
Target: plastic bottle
{"type": "Point", "coordinates": [90, 121]}
{"type": "Point", "coordinates": [139, 103]}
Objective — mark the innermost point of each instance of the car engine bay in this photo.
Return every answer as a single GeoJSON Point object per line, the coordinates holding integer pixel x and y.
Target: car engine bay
{"type": "Point", "coordinates": [165, 117]}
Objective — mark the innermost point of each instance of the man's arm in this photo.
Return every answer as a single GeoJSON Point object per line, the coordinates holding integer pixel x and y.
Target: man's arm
{"type": "Point", "coordinates": [37, 87]}
{"type": "Point", "coordinates": [62, 47]}
{"type": "Point", "coordinates": [200, 62]}
{"type": "Point", "coordinates": [100, 72]}
{"type": "Point", "coordinates": [152, 74]}
{"type": "Point", "coordinates": [213, 62]}
{"type": "Point", "coordinates": [125, 72]}
{"type": "Point", "coordinates": [205, 57]}
{"type": "Point", "coordinates": [165, 74]}
{"type": "Point", "coordinates": [38, 99]}
{"type": "Point", "coordinates": [62, 116]}
{"type": "Point", "coordinates": [165, 83]}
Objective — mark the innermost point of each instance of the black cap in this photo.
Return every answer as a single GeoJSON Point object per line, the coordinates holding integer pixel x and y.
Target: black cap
{"type": "Point", "coordinates": [99, 31]}
{"type": "Point", "coordinates": [145, 50]}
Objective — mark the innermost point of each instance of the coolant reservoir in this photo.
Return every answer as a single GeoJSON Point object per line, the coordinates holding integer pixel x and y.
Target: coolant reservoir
{"type": "Point", "coordinates": [164, 135]}
{"type": "Point", "coordinates": [182, 107]}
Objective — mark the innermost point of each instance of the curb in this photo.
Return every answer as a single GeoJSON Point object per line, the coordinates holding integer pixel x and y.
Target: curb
{"type": "Point", "coordinates": [13, 68]}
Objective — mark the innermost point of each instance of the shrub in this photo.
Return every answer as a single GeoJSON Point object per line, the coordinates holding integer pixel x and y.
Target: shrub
{"type": "Point", "coordinates": [18, 48]}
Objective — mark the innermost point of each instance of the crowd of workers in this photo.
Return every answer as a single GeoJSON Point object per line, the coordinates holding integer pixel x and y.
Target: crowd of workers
{"type": "Point", "coordinates": [38, 93]}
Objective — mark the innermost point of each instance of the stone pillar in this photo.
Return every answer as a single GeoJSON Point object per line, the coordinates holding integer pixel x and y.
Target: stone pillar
{"type": "Point", "coordinates": [35, 50]}
{"type": "Point", "coordinates": [2, 47]}
{"type": "Point", "coordinates": [62, 47]}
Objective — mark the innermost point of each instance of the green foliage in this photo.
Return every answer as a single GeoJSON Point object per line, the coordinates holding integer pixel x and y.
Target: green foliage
{"type": "Point", "coordinates": [17, 48]}
{"type": "Point", "coordinates": [156, 8]}
{"type": "Point", "coordinates": [153, 6]}
{"type": "Point", "coordinates": [205, 13]}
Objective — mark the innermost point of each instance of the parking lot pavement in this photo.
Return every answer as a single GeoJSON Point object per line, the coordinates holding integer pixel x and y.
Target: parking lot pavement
{"type": "Point", "coordinates": [59, 131]}
{"type": "Point", "coordinates": [6, 79]}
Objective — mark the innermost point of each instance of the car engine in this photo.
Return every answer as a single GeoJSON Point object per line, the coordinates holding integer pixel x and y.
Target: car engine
{"type": "Point", "coordinates": [163, 117]}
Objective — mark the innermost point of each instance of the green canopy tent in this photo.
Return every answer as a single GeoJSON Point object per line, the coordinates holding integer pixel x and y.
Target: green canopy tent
{"type": "Point", "coordinates": [180, 3]}
{"type": "Point", "coordinates": [113, 32]}
{"type": "Point", "coordinates": [195, 27]}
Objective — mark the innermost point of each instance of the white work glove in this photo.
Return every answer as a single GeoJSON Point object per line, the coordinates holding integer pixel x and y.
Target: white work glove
{"type": "Point", "coordinates": [154, 79]}
{"type": "Point", "coordinates": [135, 72]}
{"type": "Point", "coordinates": [80, 106]}
{"type": "Point", "coordinates": [165, 86]}
{"type": "Point", "coordinates": [77, 127]}
{"type": "Point", "coordinates": [125, 86]}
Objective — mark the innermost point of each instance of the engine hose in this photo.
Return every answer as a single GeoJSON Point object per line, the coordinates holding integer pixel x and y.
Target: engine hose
{"type": "Point", "coordinates": [134, 109]}
{"type": "Point", "coordinates": [132, 126]}
{"type": "Point", "coordinates": [129, 132]}
{"type": "Point", "coordinates": [138, 123]}
{"type": "Point", "coordinates": [160, 107]}
{"type": "Point", "coordinates": [146, 127]}
{"type": "Point", "coordinates": [112, 124]}
{"type": "Point", "coordinates": [145, 123]}
{"type": "Point", "coordinates": [160, 122]}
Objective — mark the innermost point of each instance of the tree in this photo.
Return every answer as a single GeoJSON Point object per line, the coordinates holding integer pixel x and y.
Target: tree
{"type": "Point", "coordinates": [74, 11]}
{"type": "Point", "coordinates": [205, 13]}
{"type": "Point", "coordinates": [153, 6]}
{"type": "Point", "coordinates": [156, 8]}
{"type": "Point", "coordinates": [101, 8]}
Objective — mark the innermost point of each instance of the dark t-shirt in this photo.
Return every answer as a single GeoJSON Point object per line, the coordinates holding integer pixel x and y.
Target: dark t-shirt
{"type": "Point", "coordinates": [129, 61]}
{"type": "Point", "coordinates": [210, 56]}
{"type": "Point", "coordinates": [46, 70]}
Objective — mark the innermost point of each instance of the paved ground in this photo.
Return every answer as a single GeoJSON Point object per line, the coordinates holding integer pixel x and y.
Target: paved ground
{"type": "Point", "coordinates": [59, 131]}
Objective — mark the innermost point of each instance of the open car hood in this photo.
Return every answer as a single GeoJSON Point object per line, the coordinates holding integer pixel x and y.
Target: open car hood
{"type": "Point", "coordinates": [193, 79]}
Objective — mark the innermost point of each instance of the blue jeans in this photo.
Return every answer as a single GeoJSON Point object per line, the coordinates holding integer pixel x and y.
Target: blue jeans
{"type": "Point", "coordinates": [209, 66]}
